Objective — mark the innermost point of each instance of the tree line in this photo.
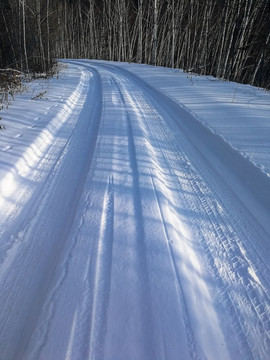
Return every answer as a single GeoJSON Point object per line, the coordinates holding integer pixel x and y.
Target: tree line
{"type": "Point", "coordinates": [228, 39]}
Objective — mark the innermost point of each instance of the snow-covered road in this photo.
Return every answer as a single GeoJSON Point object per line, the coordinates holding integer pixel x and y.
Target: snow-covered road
{"type": "Point", "coordinates": [129, 229]}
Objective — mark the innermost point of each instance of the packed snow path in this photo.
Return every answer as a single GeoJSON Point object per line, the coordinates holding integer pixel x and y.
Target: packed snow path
{"type": "Point", "coordinates": [128, 231]}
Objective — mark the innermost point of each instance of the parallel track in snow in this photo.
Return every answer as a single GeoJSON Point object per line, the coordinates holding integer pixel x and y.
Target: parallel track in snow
{"type": "Point", "coordinates": [139, 245]}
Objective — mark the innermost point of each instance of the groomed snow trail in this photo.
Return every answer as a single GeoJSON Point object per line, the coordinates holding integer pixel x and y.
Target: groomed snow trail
{"type": "Point", "coordinates": [126, 236]}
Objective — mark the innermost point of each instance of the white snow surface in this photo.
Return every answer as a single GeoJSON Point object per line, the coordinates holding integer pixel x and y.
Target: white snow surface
{"type": "Point", "coordinates": [135, 217]}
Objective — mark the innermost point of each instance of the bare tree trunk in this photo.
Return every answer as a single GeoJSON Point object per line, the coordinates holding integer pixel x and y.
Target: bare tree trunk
{"type": "Point", "coordinates": [24, 36]}
{"type": "Point", "coordinates": [262, 54]}
{"type": "Point", "coordinates": [225, 29]}
{"type": "Point", "coordinates": [154, 58]}
{"type": "Point", "coordinates": [140, 39]}
{"type": "Point", "coordinates": [41, 47]}
{"type": "Point", "coordinates": [48, 34]}
{"type": "Point", "coordinates": [239, 54]}
{"type": "Point", "coordinates": [173, 34]}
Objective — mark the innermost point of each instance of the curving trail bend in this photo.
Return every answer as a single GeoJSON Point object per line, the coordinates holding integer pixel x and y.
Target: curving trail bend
{"type": "Point", "coordinates": [133, 237]}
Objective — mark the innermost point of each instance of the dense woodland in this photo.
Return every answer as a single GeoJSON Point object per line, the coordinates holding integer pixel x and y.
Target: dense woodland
{"type": "Point", "coordinates": [229, 39]}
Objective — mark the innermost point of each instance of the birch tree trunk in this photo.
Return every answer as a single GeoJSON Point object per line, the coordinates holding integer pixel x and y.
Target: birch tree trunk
{"type": "Point", "coordinates": [24, 36]}
{"type": "Point", "coordinates": [173, 34]}
{"type": "Point", "coordinates": [48, 33]}
{"type": "Point", "coordinates": [154, 57]}
{"type": "Point", "coordinates": [140, 37]}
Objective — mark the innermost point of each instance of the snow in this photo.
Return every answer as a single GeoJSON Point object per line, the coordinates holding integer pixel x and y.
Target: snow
{"type": "Point", "coordinates": [134, 217]}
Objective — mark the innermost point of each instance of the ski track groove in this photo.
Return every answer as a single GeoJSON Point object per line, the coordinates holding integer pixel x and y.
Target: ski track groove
{"type": "Point", "coordinates": [141, 262]}
{"type": "Point", "coordinates": [181, 295]}
{"type": "Point", "coordinates": [102, 276]}
{"type": "Point", "coordinates": [193, 351]}
{"type": "Point", "coordinates": [182, 302]}
{"type": "Point", "coordinates": [42, 332]}
{"type": "Point", "coordinates": [79, 347]}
